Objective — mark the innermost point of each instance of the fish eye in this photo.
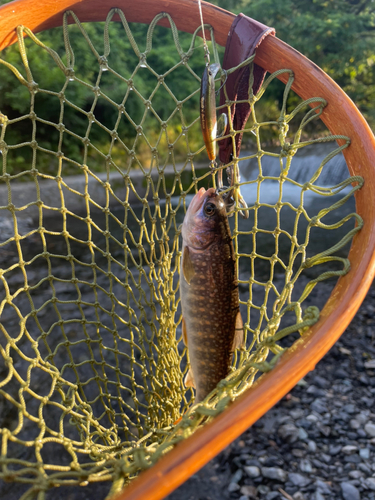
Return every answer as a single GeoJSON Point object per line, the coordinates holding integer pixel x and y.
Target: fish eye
{"type": "Point", "coordinates": [209, 209]}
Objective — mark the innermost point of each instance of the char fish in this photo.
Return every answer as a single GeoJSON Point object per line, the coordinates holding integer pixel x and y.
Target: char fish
{"type": "Point", "coordinates": [211, 321]}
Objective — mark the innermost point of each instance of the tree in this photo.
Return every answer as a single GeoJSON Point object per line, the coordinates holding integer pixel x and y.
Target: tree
{"type": "Point", "coordinates": [123, 58]}
{"type": "Point", "coordinates": [339, 36]}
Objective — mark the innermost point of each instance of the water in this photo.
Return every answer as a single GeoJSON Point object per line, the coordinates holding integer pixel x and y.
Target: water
{"type": "Point", "coordinates": [303, 166]}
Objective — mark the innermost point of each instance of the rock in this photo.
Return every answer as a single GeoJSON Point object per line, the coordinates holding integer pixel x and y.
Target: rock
{"type": "Point", "coordinates": [297, 413]}
{"type": "Point", "coordinates": [323, 487]}
{"type": "Point", "coordinates": [237, 476]}
{"type": "Point", "coordinates": [302, 434]}
{"type": "Point", "coordinates": [334, 449]}
{"type": "Point", "coordinates": [350, 492]}
{"type": "Point", "coordinates": [263, 489]}
{"type": "Point", "coordinates": [315, 391]}
{"type": "Point", "coordinates": [312, 418]}
{"type": "Point", "coordinates": [233, 487]}
{"type": "Point", "coordinates": [370, 365]}
{"type": "Point", "coordinates": [298, 496]}
{"type": "Point", "coordinates": [305, 466]}
{"type": "Point", "coordinates": [351, 435]}
{"type": "Point", "coordinates": [273, 461]}
{"type": "Point", "coordinates": [288, 432]}
{"type": "Point", "coordinates": [354, 424]}
{"type": "Point", "coordinates": [350, 408]}
{"type": "Point", "coordinates": [272, 495]}
{"type": "Point", "coordinates": [321, 382]}
{"type": "Point", "coordinates": [370, 483]}
{"type": "Point", "coordinates": [244, 497]}
{"type": "Point", "coordinates": [303, 422]}
{"type": "Point", "coordinates": [249, 491]}
{"type": "Point", "coordinates": [297, 452]}
{"type": "Point", "coordinates": [324, 429]}
{"type": "Point", "coordinates": [327, 459]}
{"type": "Point", "coordinates": [370, 429]}
{"type": "Point", "coordinates": [298, 479]}
{"type": "Point", "coordinates": [311, 445]}
{"type": "Point", "coordinates": [341, 373]}
{"type": "Point", "coordinates": [252, 470]}
{"type": "Point", "coordinates": [318, 496]}
{"type": "Point", "coordinates": [274, 473]}
{"type": "Point", "coordinates": [368, 401]}
{"type": "Point", "coordinates": [253, 461]}
{"type": "Point", "coordinates": [349, 449]}
{"type": "Point", "coordinates": [319, 406]}
{"type": "Point", "coordinates": [355, 474]}
{"type": "Point", "coordinates": [269, 423]}
{"type": "Point", "coordinates": [362, 417]}
{"type": "Point", "coordinates": [365, 469]}
{"type": "Point", "coordinates": [353, 459]}
{"type": "Point", "coordinates": [317, 463]}
{"type": "Point", "coordinates": [364, 453]}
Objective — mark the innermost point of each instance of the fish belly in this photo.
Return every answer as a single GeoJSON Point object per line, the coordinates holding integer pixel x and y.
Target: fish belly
{"type": "Point", "coordinates": [210, 305]}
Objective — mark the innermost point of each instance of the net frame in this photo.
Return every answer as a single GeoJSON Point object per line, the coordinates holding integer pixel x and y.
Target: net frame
{"type": "Point", "coordinates": [350, 290]}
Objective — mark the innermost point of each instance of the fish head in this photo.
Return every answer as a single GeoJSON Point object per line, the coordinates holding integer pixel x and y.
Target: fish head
{"type": "Point", "coordinates": [204, 220]}
{"type": "Point", "coordinates": [213, 70]}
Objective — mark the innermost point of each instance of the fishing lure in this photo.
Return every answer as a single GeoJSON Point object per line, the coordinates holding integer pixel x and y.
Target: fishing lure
{"type": "Point", "coordinates": [208, 109]}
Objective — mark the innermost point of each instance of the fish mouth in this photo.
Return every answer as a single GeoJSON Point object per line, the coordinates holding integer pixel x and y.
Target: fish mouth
{"type": "Point", "coordinates": [198, 200]}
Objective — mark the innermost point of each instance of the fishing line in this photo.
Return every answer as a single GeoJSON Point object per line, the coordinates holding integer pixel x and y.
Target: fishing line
{"type": "Point", "coordinates": [213, 164]}
{"type": "Point", "coordinates": [206, 50]}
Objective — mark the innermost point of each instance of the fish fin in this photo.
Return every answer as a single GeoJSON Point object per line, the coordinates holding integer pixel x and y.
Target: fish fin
{"type": "Point", "coordinates": [184, 333]}
{"type": "Point", "coordinates": [238, 340]}
{"type": "Point", "coordinates": [187, 266]}
{"type": "Point", "coordinates": [189, 379]}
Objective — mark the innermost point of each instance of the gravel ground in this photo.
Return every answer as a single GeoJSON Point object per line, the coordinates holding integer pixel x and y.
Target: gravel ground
{"type": "Point", "coordinates": [317, 443]}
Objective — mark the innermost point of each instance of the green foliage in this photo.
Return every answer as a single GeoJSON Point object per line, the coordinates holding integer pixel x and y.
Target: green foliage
{"type": "Point", "coordinates": [15, 98]}
{"type": "Point", "coordinates": [339, 36]}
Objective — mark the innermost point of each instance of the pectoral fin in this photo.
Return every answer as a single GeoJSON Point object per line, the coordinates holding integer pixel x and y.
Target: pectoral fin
{"type": "Point", "coordinates": [189, 379]}
{"type": "Point", "coordinates": [187, 266]}
{"type": "Point", "coordinates": [238, 340]}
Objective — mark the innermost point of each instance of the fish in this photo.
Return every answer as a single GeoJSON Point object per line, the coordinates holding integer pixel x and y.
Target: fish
{"type": "Point", "coordinates": [212, 326]}
{"type": "Point", "coordinates": [208, 109]}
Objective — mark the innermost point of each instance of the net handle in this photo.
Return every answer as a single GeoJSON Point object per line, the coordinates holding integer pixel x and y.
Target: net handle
{"type": "Point", "coordinates": [342, 118]}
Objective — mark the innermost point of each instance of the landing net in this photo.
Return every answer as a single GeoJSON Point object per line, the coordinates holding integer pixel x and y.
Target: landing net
{"type": "Point", "coordinates": [91, 380]}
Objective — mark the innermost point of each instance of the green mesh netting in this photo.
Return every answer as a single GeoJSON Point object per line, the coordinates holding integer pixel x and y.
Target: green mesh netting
{"type": "Point", "coordinates": [91, 378]}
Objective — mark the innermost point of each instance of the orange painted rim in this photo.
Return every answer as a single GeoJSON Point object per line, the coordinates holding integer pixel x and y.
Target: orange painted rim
{"type": "Point", "coordinates": [342, 118]}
